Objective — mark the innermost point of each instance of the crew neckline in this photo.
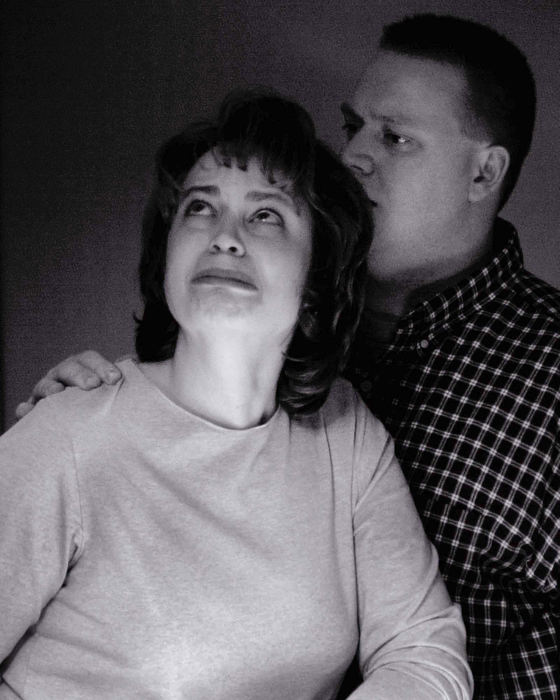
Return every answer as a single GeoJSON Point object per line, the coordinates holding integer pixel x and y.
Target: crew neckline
{"type": "Point", "coordinates": [182, 413]}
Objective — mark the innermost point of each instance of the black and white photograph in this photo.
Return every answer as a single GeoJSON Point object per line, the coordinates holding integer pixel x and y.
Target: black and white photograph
{"type": "Point", "coordinates": [280, 350]}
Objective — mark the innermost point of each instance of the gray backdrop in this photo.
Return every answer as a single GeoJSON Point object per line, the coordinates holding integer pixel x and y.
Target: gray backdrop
{"type": "Point", "coordinates": [90, 89]}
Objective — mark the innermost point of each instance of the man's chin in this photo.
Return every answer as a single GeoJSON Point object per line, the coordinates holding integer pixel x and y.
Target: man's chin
{"type": "Point", "coordinates": [385, 273]}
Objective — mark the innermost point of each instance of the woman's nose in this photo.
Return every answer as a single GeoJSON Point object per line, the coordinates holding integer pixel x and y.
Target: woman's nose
{"type": "Point", "coordinates": [227, 240]}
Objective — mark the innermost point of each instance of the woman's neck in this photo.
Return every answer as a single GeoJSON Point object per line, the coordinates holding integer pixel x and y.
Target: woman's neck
{"type": "Point", "coordinates": [228, 381]}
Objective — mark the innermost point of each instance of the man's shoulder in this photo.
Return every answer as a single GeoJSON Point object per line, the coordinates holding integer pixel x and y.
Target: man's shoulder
{"type": "Point", "coordinates": [506, 289]}
{"type": "Point", "coordinates": [539, 295]}
{"type": "Point", "coordinates": [526, 307]}
{"type": "Point", "coordinates": [516, 334]}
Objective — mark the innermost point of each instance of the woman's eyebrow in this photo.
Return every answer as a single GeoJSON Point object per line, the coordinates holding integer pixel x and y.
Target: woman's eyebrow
{"type": "Point", "coordinates": [252, 196]}
{"type": "Point", "coordinates": [202, 189]}
{"type": "Point", "coordinates": [280, 195]}
{"type": "Point", "coordinates": [260, 195]}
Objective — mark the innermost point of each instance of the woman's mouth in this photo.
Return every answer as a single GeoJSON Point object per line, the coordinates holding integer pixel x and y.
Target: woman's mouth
{"type": "Point", "coordinates": [224, 277]}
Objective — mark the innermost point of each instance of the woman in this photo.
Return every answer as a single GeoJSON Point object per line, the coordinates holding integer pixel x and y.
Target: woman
{"type": "Point", "coordinates": [228, 521]}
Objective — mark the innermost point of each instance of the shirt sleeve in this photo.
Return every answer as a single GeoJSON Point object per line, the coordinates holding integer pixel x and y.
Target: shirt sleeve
{"type": "Point", "coordinates": [41, 534]}
{"type": "Point", "coordinates": [412, 638]}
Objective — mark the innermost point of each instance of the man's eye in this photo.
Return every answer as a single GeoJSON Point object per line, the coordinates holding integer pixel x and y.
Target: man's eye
{"type": "Point", "coordinates": [199, 208]}
{"type": "Point", "coordinates": [350, 129]}
{"type": "Point", "coordinates": [267, 216]}
{"type": "Point", "coordinates": [396, 140]}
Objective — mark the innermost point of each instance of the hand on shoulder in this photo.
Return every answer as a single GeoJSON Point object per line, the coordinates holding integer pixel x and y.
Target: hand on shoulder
{"type": "Point", "coordinates": [87, 370]}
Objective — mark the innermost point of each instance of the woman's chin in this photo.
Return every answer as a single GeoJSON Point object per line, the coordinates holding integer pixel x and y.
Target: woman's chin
{"type": "Point", "coordinates": [219, 309]}
{"type": "Point", "coordinates": [221, 313]}
{"type": "Point", "coordinates": [223, 301]}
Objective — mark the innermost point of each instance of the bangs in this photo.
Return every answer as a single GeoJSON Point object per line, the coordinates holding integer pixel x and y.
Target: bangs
{"type": "Point", "coordinates": [279, 134]}
{"type": "Point", "coordinates": [276, 132]}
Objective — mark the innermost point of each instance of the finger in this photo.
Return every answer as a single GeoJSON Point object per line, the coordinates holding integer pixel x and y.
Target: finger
{"type": "Point", "coordinates": [23, 408]}
{"type": "Point", "coordinates": [45, 387]}
{"type": "Point", "coordinates": [69, 372]}
{"type": "Point", "coordinates": [107, 371]}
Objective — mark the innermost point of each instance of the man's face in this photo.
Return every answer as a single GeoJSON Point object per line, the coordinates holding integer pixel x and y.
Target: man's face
{"type": "Point", "coordinates": [405, 144]}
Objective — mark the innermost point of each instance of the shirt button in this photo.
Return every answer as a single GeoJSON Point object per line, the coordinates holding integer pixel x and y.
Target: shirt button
{"type": "Point", "coordinates": [424, 344]}
{"type": "Point", "coordinates": [365, 386]}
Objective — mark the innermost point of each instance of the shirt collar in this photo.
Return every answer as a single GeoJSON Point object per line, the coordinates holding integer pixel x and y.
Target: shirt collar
{"type": "Point", "coordinates": [456, 304]}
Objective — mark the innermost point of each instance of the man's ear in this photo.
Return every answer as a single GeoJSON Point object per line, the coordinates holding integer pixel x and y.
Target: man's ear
{"type": "Point", "coordinates": [491, 165]}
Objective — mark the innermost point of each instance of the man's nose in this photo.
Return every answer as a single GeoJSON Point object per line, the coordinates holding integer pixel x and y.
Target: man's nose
{"type": "Point", "coordinates": [227, 239]}
{"type": "Point", "coordinates": [358, 155]}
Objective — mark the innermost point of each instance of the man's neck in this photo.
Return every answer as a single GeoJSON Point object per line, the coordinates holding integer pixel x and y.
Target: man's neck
{"type": "Point", "coordinates": [378, 327]}
{"type": "Point", "coordinates": [395, 298]}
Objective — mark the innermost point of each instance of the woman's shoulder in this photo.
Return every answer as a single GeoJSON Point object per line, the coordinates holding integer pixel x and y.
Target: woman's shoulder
{"type": "Point", "coordinates": [45, 444]}
{"type": "Point", "coordinates": [344, 405]}
{"type": "Point", "coordinates": [70, 409]}
{"type": "Point", "coordinates": [358, 443]}
{"type": "Point", "coordinates": [348, 424]}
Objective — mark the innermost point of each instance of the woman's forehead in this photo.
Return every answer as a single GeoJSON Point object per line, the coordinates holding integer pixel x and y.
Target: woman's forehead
{"type": "Point", "coordinates": [213, 167]}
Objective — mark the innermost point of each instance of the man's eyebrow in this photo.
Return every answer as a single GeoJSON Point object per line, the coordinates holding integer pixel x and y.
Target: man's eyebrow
{"type": "Point", "coordinates": [397, 118]}
{"type": "Point", "coordinates": [349, 113]}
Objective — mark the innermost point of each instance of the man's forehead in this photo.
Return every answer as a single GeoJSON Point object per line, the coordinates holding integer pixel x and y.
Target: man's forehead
{"type": "Point", "coordinates": [389, 116]}
{"type": "Point", "coordinates": [409, 90]}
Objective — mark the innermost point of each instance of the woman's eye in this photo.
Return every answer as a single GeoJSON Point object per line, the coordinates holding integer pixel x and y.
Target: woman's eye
{"type": "Point", "coordinates": [199, 208]}
{"type": "Point", "coordinates": [267, 216]}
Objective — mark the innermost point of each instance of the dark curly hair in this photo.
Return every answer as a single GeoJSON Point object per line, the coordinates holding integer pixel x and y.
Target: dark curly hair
{"type": "Point", "coordinates": [281, 135]}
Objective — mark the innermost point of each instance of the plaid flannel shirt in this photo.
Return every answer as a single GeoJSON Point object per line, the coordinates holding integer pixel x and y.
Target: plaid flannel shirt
{"type": "Point", "coordinates": [470, 390]}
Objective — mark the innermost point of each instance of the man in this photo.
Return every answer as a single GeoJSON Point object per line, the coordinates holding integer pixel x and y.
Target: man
{"type": "Point", "coordinates": [459, 350]}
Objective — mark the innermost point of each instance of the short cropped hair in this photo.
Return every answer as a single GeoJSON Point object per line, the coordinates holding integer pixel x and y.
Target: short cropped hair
{"type": "Point", "coordinates": [500, 101]}
{"type": "Point", "coordinates": [281, 135]}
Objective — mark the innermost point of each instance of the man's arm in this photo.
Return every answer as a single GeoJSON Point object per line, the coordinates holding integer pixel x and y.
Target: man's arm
{"type": "Point", "coordinates": [86, 371]}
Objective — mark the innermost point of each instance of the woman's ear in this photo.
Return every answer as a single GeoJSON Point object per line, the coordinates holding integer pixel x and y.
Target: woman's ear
{"type": "Point", "coordinates": [491, 165]}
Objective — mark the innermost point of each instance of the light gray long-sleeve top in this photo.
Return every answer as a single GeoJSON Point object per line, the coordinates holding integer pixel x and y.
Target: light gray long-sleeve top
{"type": "Point", "coordinates": [146, 553]}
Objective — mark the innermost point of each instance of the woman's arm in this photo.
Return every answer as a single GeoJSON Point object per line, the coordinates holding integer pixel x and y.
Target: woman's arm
{"type": "Point", "coordinates": [412, 638]}
{"type": "Point", "coordinates": [40, 533]}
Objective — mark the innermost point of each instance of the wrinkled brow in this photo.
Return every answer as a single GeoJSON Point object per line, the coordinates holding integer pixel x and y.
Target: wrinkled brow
{"type": "Point", "coordinates": [278, 194]}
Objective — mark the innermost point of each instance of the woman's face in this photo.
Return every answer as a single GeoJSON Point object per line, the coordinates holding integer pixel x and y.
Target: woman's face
{"type": "Point", "coordinates": [238, 251]}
